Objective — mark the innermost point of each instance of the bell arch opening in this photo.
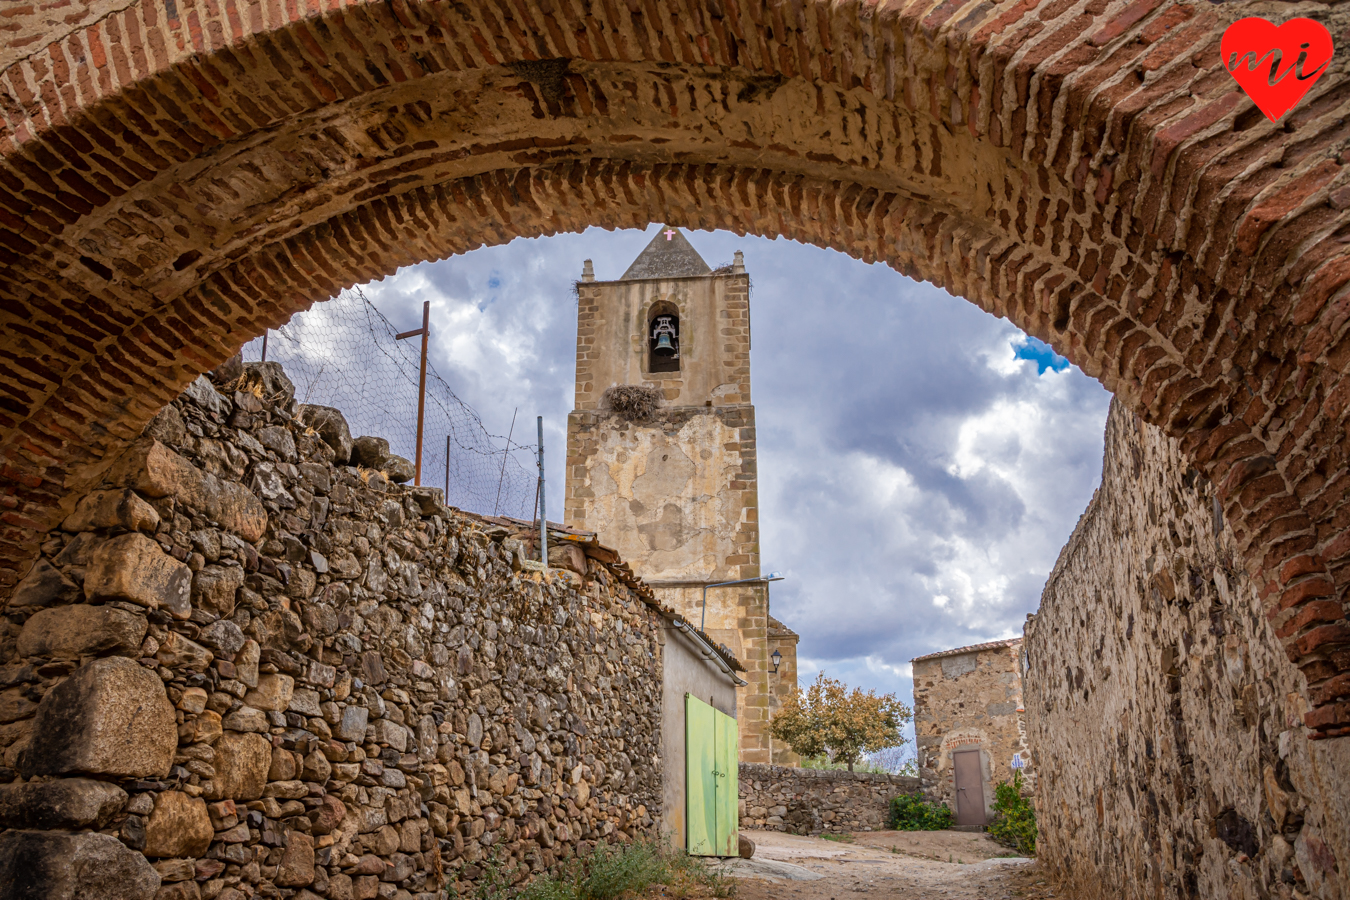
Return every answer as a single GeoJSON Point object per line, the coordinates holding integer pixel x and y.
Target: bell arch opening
{"type": "Point", "coordinates": [172, 187]}
{"type": "Point", "coordinates": [663, 338]}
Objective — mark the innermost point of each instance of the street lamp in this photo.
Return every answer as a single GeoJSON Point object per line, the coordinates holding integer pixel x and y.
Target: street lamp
{"type": "Point", "coordinates": [777, 658]}
{"type": "Point", "coordinates": [763, 579]}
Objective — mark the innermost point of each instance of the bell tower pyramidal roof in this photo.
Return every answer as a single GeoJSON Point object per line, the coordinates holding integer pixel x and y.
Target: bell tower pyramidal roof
{"type": "Point", "coordinates": [669, 255]}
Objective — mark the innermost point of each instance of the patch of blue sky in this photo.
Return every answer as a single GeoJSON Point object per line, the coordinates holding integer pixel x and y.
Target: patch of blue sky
{"type": "Point", "coordinates": [494, 281]}
{"type": "Point", "coordinates": [1041, 353]}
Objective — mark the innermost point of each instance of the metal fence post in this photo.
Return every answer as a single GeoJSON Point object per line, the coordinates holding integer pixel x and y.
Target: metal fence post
{"type": "Point", "coordinates": [543, 511]}
{"type": "Point", "coordinates": [425, 332]}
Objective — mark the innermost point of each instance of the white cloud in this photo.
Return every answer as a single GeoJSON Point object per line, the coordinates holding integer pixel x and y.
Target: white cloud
{"type": "Point", "coordinates": [916, 479]}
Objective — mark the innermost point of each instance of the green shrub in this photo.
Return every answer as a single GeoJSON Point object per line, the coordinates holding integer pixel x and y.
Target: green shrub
{"type": "Point", "coordinates": [494, 882]}
{"type": "Point", "coordinates": [910, 812]}
{"type": "Point", "coordinates": [1014, 822]}
{"type": "Point", "coordinates": [546, 887]}
{"type": "Point", "coordinates": [610, 872]}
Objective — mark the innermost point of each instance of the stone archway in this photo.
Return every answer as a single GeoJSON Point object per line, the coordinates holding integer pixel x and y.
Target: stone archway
{"type": "Point", "coordinates": [178, 176]}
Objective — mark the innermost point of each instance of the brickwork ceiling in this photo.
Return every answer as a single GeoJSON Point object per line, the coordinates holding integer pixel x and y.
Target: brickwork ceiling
{"type": "Point", "coordinates": [177, 176]}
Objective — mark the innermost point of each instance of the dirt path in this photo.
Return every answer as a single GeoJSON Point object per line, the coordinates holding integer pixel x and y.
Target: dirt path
{"type": "Point", "coordinates": [900, 865]}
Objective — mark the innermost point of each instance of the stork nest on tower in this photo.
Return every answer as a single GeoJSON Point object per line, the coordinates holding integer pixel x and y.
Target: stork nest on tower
{"type": "Point", "coordinates": [633, 402]}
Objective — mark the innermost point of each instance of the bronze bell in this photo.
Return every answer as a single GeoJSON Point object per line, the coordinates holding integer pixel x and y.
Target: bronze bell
{"type": "Point", "coordinates": [664, 331]}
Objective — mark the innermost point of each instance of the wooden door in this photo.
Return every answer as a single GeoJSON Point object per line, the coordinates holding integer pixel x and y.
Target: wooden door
{"type": "Point", "coordinates": [969, 787]}
{"type": "Point", "coordinates": [711, 789]}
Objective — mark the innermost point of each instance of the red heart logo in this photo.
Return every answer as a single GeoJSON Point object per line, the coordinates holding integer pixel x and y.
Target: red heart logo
{"type": "Point", "coordinates": [1276, 66]}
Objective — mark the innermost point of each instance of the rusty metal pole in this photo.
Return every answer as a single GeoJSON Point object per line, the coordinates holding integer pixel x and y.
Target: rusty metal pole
{"type": "Point", "coordinates": [425, 332]}
{"type": "Point", "coordinates": [543, 510]}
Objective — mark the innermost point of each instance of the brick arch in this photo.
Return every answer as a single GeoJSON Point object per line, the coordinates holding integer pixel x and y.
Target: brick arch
{"type": "Point", "coordinates": [178, 176]}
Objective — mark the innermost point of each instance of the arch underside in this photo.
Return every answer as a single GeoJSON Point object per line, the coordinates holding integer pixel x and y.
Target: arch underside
{"type": "Point", "coordinates": [172, 187]}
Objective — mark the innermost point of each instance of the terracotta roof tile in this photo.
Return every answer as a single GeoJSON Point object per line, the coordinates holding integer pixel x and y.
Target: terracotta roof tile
{"type": "Point", "coordinates": [973, 648]}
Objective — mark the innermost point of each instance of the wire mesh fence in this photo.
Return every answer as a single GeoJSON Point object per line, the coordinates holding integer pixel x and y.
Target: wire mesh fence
{"type": "Point", "coordinates": [343, 354]}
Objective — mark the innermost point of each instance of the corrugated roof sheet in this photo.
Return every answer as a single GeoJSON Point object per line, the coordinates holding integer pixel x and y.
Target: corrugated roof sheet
{"type": "Point", "coordinates": [973, 648]}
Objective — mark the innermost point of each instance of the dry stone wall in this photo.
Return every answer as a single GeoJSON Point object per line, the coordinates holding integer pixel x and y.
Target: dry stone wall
{"type": "Point", "coordinates": [1166, 717]}
{"type": "Point", "coordinates": [242, 668]}
{"type": "Point", "coordinates": [813, 801]}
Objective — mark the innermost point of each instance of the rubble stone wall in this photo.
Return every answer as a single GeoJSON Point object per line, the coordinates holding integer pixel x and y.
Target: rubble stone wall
{"type": "Point", "coordinates": [812, 801]}
{"type": "Point", "coordinates": [243, 668]}
{"type": "Point", "coordinates": [1166, 718]}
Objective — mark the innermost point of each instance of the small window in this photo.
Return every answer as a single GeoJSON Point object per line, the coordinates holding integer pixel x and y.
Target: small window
{"type": "Point", "coordinates": [663, 344]}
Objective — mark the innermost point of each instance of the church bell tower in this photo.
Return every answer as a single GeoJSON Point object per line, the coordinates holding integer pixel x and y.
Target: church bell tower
{"type": "Point", "coordinates": [661, 449]}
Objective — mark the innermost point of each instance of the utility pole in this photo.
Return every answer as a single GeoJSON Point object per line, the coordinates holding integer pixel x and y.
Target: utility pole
{"type": "Point", "coordinates": [425, 332]}
{"type": "Point", "coordinates": [543, 513]}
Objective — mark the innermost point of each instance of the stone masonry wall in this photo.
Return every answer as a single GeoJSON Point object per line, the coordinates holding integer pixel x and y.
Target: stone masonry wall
{"type": "Point", "coordinates": [970, 701]}
{"type": "Point", "coordinates": [812, 801]}
{"type": "Point", "coordinates": [271, 674]}
{"type": "Point", "coordinates": [677, 495]}
{"type": "Point", "coordinates": [1166, 717]}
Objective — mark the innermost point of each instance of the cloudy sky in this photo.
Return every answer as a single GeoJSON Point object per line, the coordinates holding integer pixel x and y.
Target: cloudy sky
{"type": "Point", "coordinates": [921, 462]}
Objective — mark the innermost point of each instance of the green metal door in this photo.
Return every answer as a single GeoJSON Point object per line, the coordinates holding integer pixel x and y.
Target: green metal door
{"type": "Point", "coordinates": [712, 794]}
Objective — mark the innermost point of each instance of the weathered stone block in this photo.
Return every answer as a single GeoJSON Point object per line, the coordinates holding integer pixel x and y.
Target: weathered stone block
{"type": "Point", "coordinates": [112, 509]}
{"type": "Point", "coordinates": [286, 790]}
{"type": "Point", "coordinates": [172, 870]}
{"type": "Point", "coordinates": [193, 700]}
{"type": "Point", "coordinates": [53, 866]}
{"type": "Point", "coordinates": [154, 470]}
{"type": "Point", "coordinates": [370, 452]}
{"type": "Point", "coordinates": [177, 652]}
{"type": "Point", "coordinates": [241, 764]}
{"type": "Point", "coordinates": [398, 469]}
{"type": "Point", "coordinates": [272, 693]}
{"type": "Point", "coordinates": [223, 637]}
{"type": "Point", "coordinates": [44, 585]}
{"type": "Point", "coordinates": [328, 816]}
{"type": "Point", "coordinates": [277, 389]}
{"type": "Point", "coordinates": [70, 632]}
{"type": "Point", "coordinates": [111, 717]}
{"type": "Point", "coordinates": [207, 727]}
{"type": "Point", "coordinates": [246, 719]}
{"type": "Point", "coordinates": [204, 394]}
{"type": "Point", "coordinates": [181, 890]}
{"type": "Point", "coordinates": [246, 663]}
{"type": "Point", "coordinates": [353, 724]}
{"type": "Point", "coordinates": [278, 440]}
{"type": "Point", "coordinates": [305, 702]}
{"type": "Point", "coordinates": [390, 733]}
{"type": "Point", "coordinates": [63, 803]}
{"type": "Point", "coordinates": [215, 588]}
{"type": "Point", "coordinates": [228, 371]}
{"type": "Point", "coordinates": [566, 555]}
{"type": "Point", "coordinates": [132, 567]}
{"type": "Point", "coordinates": [430, 500]}
{"type": "Point", "coordinates": [179, 826]}
{"type": "Point", "coordinates": [332, 428]}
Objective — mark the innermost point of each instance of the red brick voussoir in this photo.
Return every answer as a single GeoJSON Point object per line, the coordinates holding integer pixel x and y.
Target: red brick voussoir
{"type": "Point", "coordinates": [174, 178]}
